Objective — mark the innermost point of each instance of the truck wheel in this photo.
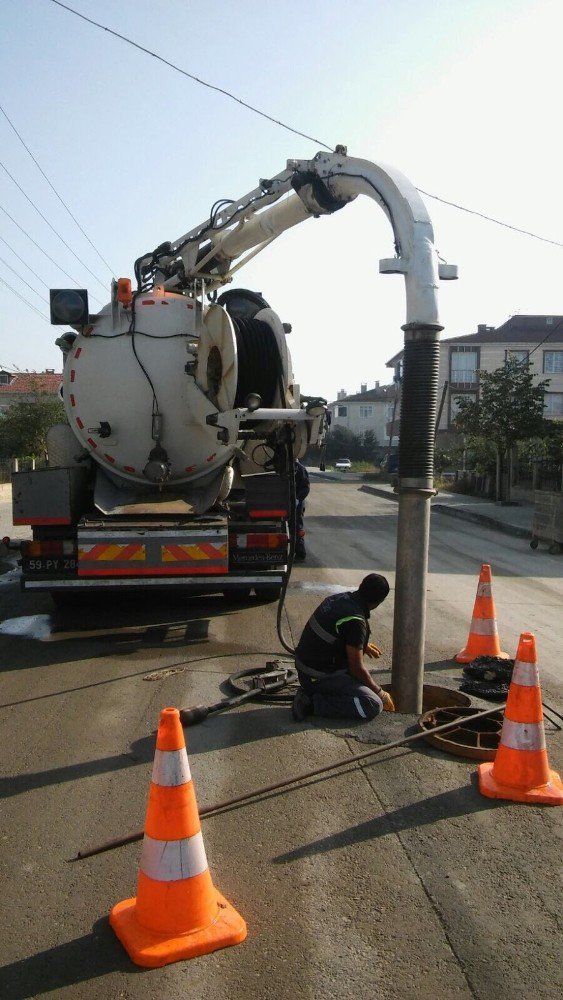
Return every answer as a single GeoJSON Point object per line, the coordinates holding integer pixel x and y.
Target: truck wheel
{"type": "Point", "coordinates": [534, 543]}
{"type": "Point", "coordinates": [268, 593]}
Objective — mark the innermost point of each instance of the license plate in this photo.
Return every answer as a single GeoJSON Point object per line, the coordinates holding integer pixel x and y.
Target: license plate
{"type": "Point", "coordinates": [50, 564]}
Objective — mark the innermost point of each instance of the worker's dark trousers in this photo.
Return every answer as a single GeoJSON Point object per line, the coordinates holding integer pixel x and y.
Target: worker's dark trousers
{"type": "Point", "coordinates": [340, 696]}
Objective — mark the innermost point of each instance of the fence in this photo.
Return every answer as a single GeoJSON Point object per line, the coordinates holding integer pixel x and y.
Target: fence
{"type": "Point", "coordinates": [19, 465]}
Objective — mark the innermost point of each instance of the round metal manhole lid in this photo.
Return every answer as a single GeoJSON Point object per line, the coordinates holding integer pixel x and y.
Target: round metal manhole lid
{"type": "Point", "coordinates": [474, 738]}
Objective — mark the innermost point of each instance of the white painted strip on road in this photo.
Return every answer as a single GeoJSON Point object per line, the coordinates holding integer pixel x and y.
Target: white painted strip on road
{"type": "Point", "coordinates": [171, 860]}
{"type": "Point", "coordinates": [171, 767]}
{"type": "Point", "coordinates": [523, 735]}
{"type": "Point", "coordinates": [526, 674]}
{"type": "Point", "coordinates": [484, 626]}
{"type": "Point", "coordinates": [484, 590]}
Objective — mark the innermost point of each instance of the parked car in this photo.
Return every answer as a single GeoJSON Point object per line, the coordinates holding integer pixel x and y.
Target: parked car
{"type": "Point", "coordinates": [343, 464]}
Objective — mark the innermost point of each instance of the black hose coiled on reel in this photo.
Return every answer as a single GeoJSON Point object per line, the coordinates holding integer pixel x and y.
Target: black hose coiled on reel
{"type": "Point", "coordinates": [259, 361]}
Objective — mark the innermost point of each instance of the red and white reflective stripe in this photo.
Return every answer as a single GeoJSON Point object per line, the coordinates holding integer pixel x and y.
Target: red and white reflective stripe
{"type": "Point", "coordinates": [171, 860]}
{"type": "Point", "coordinates": [171, 768]}
{"type": "Point", "coordinates": [523, 735]}
{"type": "Point", "coordinates": [526, 674]}
{"type": "Point", "coordinates": [484, 626]}
{"type": "Point", "coordinates": [485, 590]}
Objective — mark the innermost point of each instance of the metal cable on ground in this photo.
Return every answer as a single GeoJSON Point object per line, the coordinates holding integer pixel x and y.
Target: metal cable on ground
{"type": "Point", "coordinates": [131, 838]}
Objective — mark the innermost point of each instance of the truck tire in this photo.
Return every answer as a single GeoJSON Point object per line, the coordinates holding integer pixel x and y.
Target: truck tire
{"type": "Point", "coordinates": [268, 593]}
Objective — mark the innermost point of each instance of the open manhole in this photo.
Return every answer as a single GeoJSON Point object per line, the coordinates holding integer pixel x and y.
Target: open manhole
{"type": "Point", "coordinates": [474, 738]}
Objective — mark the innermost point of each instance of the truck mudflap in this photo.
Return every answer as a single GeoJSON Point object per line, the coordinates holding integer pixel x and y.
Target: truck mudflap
{"type": "Point", "coordinates": [152, 553]}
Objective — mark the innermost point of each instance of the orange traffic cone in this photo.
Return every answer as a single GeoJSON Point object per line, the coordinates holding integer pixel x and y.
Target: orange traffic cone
{"type": "Point", "coordinates": [177, 912]}
{"type": "Point", "coordinates": [483, 633]}
{"type": "Point", "coordinates": [520, 770]}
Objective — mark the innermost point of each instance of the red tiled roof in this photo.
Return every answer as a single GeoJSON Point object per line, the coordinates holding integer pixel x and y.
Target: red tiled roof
{"type": "Point", "coordinates": [29, 382]}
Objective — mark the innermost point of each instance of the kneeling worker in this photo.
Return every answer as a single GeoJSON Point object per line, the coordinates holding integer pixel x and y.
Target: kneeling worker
{"type": "Point", "coordinates": [329, 657]}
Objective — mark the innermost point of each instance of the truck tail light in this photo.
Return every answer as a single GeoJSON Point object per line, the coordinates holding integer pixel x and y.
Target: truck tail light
{"type": "Point", "coordinates": [260, 540]}
{"type": "Point", "coordinates": [34, 549]}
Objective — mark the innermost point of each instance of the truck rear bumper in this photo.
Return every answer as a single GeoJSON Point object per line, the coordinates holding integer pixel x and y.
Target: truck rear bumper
{"type": "Point", "coordinates": [211, 584]}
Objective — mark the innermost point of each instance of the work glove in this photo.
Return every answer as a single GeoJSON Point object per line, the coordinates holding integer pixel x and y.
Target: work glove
{"type": "Point", "coordinates": [388, 703]}
{"type": "Point", "coordinates": [372, 651]}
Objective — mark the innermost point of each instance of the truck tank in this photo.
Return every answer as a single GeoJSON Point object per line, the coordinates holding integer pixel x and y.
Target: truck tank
{"type": "Point", "coordinates": [140, 382]}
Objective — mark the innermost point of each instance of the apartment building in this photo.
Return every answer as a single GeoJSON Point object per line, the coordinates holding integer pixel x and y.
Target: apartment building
{"type": "Point", "coordinates": [533, 340]}
{"type": "Point", "coordinates": [366, 410]}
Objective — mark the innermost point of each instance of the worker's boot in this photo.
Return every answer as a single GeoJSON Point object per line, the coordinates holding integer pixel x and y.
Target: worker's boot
{"type": "Point", "coordinates": [300, 552]}
{"type": "Point", "coordinates": [302, 705]}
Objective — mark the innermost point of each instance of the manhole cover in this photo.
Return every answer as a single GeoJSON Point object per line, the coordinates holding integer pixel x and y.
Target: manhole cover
{"type": "Point", "coordinates": [474, 738]}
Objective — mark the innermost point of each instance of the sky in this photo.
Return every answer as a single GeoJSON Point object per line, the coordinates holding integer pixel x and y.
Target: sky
{"type": "Point", "coordinates": [461, 96]}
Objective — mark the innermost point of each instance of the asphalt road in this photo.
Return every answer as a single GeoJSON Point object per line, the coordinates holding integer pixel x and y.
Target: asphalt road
{"type": "Point", "coordinates": [391, 880]}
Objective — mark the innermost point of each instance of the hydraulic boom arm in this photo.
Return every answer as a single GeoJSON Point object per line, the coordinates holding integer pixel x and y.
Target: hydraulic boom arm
{"type": "Point", "coordinates": [236, 231]}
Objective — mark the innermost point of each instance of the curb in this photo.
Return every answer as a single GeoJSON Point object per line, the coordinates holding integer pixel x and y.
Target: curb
{"type": "Point", "coordinates": [484, 519]}
{"type": "Point", "coordinates": [464, 515]}
{"type": "Point", "coordinates": [380, 493]}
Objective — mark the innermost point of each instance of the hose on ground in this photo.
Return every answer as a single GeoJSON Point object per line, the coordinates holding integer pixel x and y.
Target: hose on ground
{"type": "Point", "coordinates": [290, 466]}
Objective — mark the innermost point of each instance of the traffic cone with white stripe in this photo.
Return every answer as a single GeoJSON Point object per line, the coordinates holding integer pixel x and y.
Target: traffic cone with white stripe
{"type": "Point", "coordinates": [520, 770]}
{"type": "Point", "coordinates": [177, 912]}
{"type": "Point", "coordinates": [483, 632]}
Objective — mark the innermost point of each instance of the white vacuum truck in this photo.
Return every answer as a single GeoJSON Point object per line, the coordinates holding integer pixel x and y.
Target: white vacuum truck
{"type": "Point", "coordinates": [176, 465]}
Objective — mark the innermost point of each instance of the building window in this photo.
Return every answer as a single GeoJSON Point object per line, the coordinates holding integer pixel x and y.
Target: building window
{"type": "Point", "coordinates": [553, 362]}
{"type": "Point", "coordinates": [341, 411]}
{"type": "Point", "coordinates": [5, 379]}
{"type": "Point", "coordinates": [454, 404]}
{"type": "Point", "coordinates": [366, 412]}
{"type": "Point", "coordinates": [553, 402]}
{"type": "Point", "coordinates": [520, 356]}
{"type": "Point", "coordinates": [464, 363]}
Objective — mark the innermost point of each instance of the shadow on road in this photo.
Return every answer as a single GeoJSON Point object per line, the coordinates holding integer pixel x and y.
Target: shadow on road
{"type": "Point", "coordinates": [447, 805]}
{"type": "Point", "coordinates": [88, 957]}
{"type": "Point", "coordinates": [213, 734]}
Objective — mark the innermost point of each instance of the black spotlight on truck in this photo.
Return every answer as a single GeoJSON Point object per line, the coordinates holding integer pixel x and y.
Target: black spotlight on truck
{"type": "Point", "coordinates": [69, 306]}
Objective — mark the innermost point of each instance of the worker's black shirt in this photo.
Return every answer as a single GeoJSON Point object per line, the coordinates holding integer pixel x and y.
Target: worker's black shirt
{"type": "Point", "coordinates": [341, 620]}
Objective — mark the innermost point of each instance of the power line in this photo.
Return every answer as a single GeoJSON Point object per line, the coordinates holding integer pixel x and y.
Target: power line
{"type": "Point", "coordinates": [550, 334]}
{"type": "Point", "coordinates": [63, 203]}
{"type": "Point", "coordinates": [31, 306]}
{"type": "Point", "coordinates": [24, 262]}
{"type": "Point", "coordinates": [52, 228]}
{"type": "Point", "coordinates": [191, 76]}
{"type": "Point", "coordinates": [289, 128]}
{"type": "Point", "coordinates": [489, 218]}
{"type": "Point", "coordinates": [69, 276]}
{"type": "Point", "coordinates": [34, 290]}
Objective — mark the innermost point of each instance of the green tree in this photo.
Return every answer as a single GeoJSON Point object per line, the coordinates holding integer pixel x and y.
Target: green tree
{"type": "Point", "coordinates": [24, 426]}
{"type": "Point", "coordinates": [509, 409]}
{"type": "Point", "coordinates": [342, 443]}
{"type": "Point", "coordinates": [369, 446]}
